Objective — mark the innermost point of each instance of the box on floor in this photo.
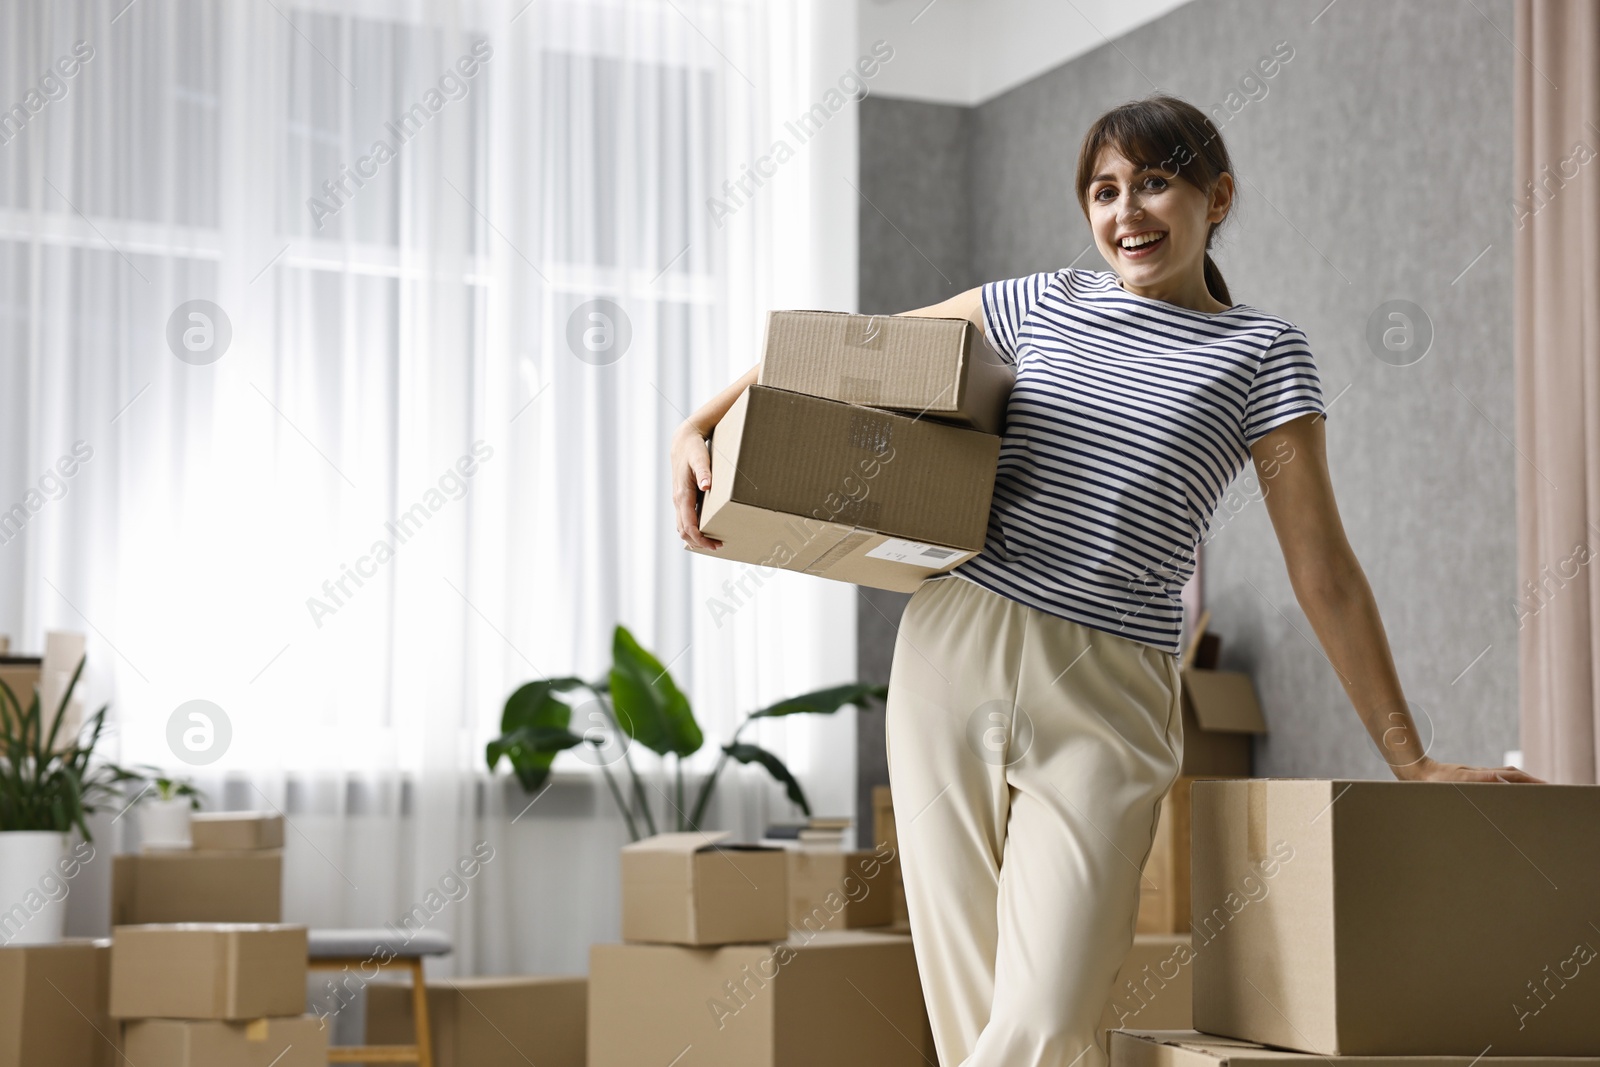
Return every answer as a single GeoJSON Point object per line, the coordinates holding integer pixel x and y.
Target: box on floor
{"type": "Point", "coordinates": [884, 834]}
{"type": "Point", "coordinates": [849, 493]}
{"type": "Point", "coordinates": [1154, 989]}
{"type": "Point", "coordinates": [208, 971]}
{"type": "Point", "coordinates": [1190, 1048]}
{"type": "Point", "coordinates": [846, 996]}
{"type": "Point", "coordinates": [235, 831]}
{"type": "Point", "coordinates": [941, 369]}
{"type": "Point", "coordinates": [197, 887]}
{"type": "Point", "coordinates": [300, 1041]}
{"type": "Point", "coordinates": [698, 889]}
{"type": "Point", "coordinates": [489, 1021]}
{"type": "Point", "coordinates": [53, 1004]}
{"type": "Point", "coordinates": [841, 889]}
{"type": "Point", "coordinates": [1391, 918]}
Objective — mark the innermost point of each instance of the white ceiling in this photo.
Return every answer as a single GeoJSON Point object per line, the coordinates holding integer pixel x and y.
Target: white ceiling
{"type": "Point", "coordinates": [967, 51]}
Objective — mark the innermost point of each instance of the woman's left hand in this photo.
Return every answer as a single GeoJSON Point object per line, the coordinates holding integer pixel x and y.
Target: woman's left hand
{"type": "Point", "coordinates": [1431, 770]}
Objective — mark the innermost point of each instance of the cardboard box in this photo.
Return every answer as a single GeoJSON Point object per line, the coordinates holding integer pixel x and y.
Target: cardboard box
{"type": "Point", "coordinates": [1190, 1048]}
{"type": "Point", "coordinates": [885, 835]}
{"type": "Point", "coordinates": [837, 997]}
{"type": "Point", "coordinates": [841, 889]}
{"type": "Point", "coordinates": [53, 1004]}
{"type": "Point", "coordinates": [279, 1042]}
{"type": "Point", "coordinates": [236, 831]}
{"type": "Point", "coordinates": [849, 493]}
{"type": "Point", "coordinates": [1164, 889]}
{"type": "Point", "coordinates": [489, 1022]}
{"type": "Point", "coordinates": [1221, 718]}
{"type": "Point", "coordinates": [695, 889]}
{"type": "Point", "coordinates": [197, 887]}
{"type": "Point", "coordinates": [1398, 918]}
{"type": "Point", "coordinates": [207, 971]}
{"type": "Point", "coordinates": [933, 368]}
{"type": "Point", "coordinates": [1155, 988]}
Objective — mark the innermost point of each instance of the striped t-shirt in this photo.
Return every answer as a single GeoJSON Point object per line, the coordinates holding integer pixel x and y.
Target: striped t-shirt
{"type": "Point", "coordinates": [1129, 419]}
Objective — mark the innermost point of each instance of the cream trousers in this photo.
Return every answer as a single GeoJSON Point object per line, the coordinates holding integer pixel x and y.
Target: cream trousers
{"type": "Point", "coordinates": [1028, 758]}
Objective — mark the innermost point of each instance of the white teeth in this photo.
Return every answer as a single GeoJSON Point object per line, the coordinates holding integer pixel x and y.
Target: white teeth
{"type": "Point", "coordinates": [1140, 239]}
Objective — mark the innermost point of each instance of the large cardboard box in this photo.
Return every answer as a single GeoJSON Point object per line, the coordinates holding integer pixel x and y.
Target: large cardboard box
{"type": "Point", "coordinates": [489, 1022]}
{"type": "Point", "coordinates": [197, 887]}
{"type": "Point", "coordinates": [1221, 718]}
{"type": "Point", "coordinates": [236, 831]}
{"type": "Point", "coordinates": [271, 1042]}
{"type": "Point", "coordinates": [836, 997]}
{"type": "Point", "coordinates": [1155, 988]}
{"type": "Point", "coordinates": [53, 1004]}
{"type": "Point", "coordinates": [836, 889]}
{"type": "Point", "coordinates": [849, 493]}
{"type": "Point", "coordinates": [698, 889]}
{"type": "Point", "coordinates": [934, 368]}
{"type": "Point", "coordinates": [885, 835]}
{"type": "Point", "coordinates": [1190, 1048]}
{"type": "Point", "coordinates": [207, 971]}
{"type": "Point", "coordinates": [1387, 918]}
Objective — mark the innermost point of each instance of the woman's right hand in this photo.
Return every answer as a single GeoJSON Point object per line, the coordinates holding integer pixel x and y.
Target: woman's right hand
{"type": "Point", "coordinates": [690, 464]}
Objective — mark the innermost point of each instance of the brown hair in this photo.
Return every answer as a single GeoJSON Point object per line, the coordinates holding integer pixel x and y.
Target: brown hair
{"type": "Point", "coordinates": [1169, 135]}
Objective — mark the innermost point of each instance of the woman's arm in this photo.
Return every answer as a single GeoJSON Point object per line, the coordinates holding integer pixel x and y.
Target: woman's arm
{"type": "Point", "coordinates": [1328, 582]}
{"type": "Point", "coordinates": [690, 460]}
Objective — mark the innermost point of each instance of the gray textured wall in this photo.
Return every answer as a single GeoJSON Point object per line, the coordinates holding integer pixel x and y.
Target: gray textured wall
{"type": "Point", "coordinates": [1375, 166]}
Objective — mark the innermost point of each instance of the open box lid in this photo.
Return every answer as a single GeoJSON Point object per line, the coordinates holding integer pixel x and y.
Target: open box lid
{"type": "Point", "coordinates": [691, 841]}
{"type": "Point", "coordinates": [1223, 701]}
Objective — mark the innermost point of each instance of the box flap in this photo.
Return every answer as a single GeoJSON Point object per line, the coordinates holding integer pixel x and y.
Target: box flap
{"type": "Point", "coordinates": [1224, 701]}
{"type": "Point", "coordinates": [684, 843]}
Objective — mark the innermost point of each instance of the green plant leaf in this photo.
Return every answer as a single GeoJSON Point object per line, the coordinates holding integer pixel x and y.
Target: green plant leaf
{"type": "Point", "coordinates": [748, 753]}
{"type": "Point", "coordinates": [649, 706]}
{"type": "Point", "coordinates": [824, 701]}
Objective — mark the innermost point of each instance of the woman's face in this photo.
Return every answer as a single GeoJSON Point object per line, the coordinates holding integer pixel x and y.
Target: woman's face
{"type": "Point", "coordinates": [1125, 202]}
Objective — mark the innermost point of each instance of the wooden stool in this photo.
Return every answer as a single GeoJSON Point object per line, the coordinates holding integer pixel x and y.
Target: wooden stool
{"type": "Point", "coordinates": [361, 950]}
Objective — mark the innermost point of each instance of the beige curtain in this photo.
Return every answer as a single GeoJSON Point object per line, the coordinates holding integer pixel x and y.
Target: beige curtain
{"type": "Point", "coordinates": [1556, 239]}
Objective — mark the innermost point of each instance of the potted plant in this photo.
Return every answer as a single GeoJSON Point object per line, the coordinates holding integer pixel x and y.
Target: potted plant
{"type": "Point", "coordinates": [49, 786]}
{"type": "Point", "coordinates": [164, 819]}
{"type": "Point", "coordinates": [639, 701]}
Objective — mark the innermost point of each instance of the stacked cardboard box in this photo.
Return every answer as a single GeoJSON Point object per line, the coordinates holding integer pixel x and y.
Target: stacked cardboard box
{"type": "Point", "coordinates": [232, 874]}
{"type": "Point", "coordinates": [865, 452]}
{"type": "Point", "coordinates": [53, 1004]}
{"type": "Point", "coordinates": [708, 960]}
{"type": "Point", "coordinates": [214, 995]}
{"type": "Point", "coordinates": [488, 1022]}
{"type": "Point", "coordinates": [1449, 922]}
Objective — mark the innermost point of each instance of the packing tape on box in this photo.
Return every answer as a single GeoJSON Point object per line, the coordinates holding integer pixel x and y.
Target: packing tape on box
{"type": "Point", "coordinates": [1255, 821]}
{"type": "Point", "coordinates": [846, 545]}
{"type": "Point", "coordinates": [256, 1030]}
{"type": "Point", "coordinates": [861, 390]}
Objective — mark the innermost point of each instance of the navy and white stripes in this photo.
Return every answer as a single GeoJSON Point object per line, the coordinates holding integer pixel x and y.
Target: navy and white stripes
{"type": "Point", "coordinates": [1129, 419]}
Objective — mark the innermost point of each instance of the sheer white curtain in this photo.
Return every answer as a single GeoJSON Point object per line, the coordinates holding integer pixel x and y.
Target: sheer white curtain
{"type": "Point", "coordinates": [421, 472]}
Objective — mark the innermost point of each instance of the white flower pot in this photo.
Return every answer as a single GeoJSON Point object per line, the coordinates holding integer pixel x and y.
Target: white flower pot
{"type": "Point", "coordinates": [33, 892]}
{"type": "Point", "coordinates": [165, 824]}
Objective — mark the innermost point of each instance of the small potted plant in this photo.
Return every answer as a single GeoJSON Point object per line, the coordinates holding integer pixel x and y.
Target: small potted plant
{"type": "Point", "coordinates": [49, 786]}
{"type": "Point", "coordinates": [165, 816]}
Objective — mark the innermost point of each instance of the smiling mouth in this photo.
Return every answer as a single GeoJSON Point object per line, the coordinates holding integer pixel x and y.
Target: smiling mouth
{"type": "Point", "coordinates": [1144, 249]}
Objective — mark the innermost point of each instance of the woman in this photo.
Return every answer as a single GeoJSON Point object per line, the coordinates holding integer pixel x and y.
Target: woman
{"type": "Point", "coordinates": [1033, 718]}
